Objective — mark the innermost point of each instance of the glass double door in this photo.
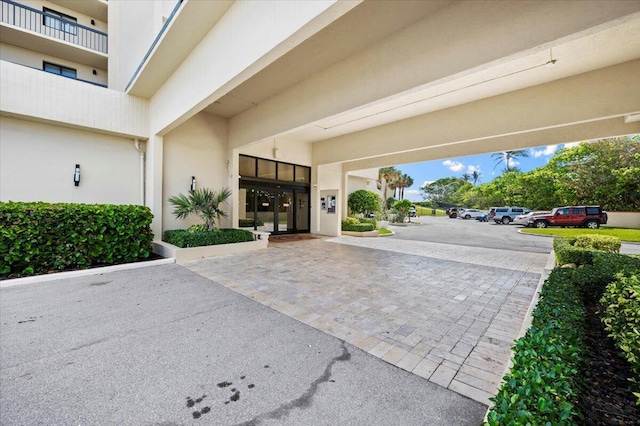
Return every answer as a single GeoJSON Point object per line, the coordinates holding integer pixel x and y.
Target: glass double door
{"type": "Point", "coordinates": [277, 210]}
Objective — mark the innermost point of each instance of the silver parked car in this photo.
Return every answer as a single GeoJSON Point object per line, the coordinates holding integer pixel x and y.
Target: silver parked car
{"type": "Point", "coordinates": [505, 215]}
{"type": "Point", "coordinates": [469, 213]}
{"type": "Point", "coordinates": [523, 219]}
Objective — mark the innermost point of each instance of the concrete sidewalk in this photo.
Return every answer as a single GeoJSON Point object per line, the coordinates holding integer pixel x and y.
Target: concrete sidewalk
{"type": "Point", "coordinates": [164, 346]}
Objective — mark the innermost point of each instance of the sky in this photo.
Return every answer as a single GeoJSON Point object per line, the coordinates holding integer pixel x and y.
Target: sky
{"type": "Point", "coordinates": [424, 173]}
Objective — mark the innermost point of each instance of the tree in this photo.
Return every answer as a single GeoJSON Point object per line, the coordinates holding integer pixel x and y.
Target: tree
{"type": "Point", "coordinates": [402, 208]}
{"type": "Point", "coordinates": [475, 176]}
{"type": "Point", "coordinates": [389, 175]}
{"type": "Point", "coordinates": [443, 191]}
{"type": "Point", "coordinates": [404, 181]}
{"type": "Point", "coordinates": [605, 172]}
{"type": "Point", "coordinates": [508, 157]}
{"type": "Point", "coordinates": [363, 202]}
{"type": "Point", "coordinates": [466, 177]}
{"type": "Point", "coordinates": [204, 203]}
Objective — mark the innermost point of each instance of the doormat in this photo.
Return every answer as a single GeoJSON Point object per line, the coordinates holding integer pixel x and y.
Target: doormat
{"type": "Point", "coordinates": [287, 238]}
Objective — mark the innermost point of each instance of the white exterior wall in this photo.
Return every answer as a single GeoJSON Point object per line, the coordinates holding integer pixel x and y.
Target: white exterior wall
{"type": "Point", "coordinates": [35, 60]}
{"type": "Point", "coordinates": [134, 26]}
{"type": "Point", "coordinates": [37, 162]}
{"type": "Point", "coordinates": [329, 180]}
{"type": "Point", "coordinates": [249, 34]}
{"type": "Point", "coordinates": [47, 97]}
{"type": "Point", "coordinates": [288, 151]}
{"type": "Point", "coordinates": [196, 148]}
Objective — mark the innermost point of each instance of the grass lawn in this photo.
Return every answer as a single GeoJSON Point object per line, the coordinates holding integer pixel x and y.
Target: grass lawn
{"type": "Point", "coordinates": [625, 234]}
{"type": "Point", "coordinates": [384, 231]}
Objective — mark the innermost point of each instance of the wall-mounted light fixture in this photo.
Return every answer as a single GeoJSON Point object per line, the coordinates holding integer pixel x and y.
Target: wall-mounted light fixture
{"type": "Point", "coordinates": [76, 175]}
{"type": "Point", "coordinates": [95, 72]}
{"type": "Point", "coordinates": [193, 183]}
{"type": "Point", "coordinates": [93, 22]}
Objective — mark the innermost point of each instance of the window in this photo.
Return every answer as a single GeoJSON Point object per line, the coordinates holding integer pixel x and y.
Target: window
{"type": "Point", "coordinates": [303, 174]}
{"type": "Point", "coordinates": [59, 21]}
{"type": "Point", "coordinates": [593, 210]}
{"type": "Point", "coordinates": [563, 212]}
{"type": "Point", "coordinates": [266, 169]}
{"type": "Point", "coordinates": [579, 211]}
{"type": "Point", "coordinates": [59, 69]}
{"type": "Point", "coordinates": [247, 166]}
{"type": "Point", "coordinates": [285, 172]}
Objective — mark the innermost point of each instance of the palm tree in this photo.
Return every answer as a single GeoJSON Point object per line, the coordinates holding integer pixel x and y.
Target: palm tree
{"type": "Point", "coordinates": [475, 176]}
{"type": "Point", "coordinates": [466, 177]}
{"type": "Point", "coordinates": [405, 181]}
{"type": "Point", "coordinates": [389, 175]}
{"type": "Point", "coordinates": [202, 202]}
{"type": "Point", "coordinates": [506, 157]}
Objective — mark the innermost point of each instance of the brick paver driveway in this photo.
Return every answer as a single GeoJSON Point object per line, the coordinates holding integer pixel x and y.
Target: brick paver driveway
{"type": "Point", "coordinates": [448, 313]}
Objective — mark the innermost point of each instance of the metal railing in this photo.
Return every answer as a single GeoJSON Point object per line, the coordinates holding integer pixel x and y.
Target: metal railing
{"type": "Point", "coordinates": [52, 26]}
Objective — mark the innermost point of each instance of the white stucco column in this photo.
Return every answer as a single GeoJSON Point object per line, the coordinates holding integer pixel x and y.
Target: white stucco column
{"type": "Point", "coordinates": [153, 183]}
{"type": "Point", "coordinates": [233, 177]}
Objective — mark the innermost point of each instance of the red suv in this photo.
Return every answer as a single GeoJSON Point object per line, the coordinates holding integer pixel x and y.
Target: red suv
{"type": "Point", "coordinates": [578, 216]}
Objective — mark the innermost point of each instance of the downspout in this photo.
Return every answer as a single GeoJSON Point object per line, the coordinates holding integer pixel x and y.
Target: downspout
{"type": "Point", "coordinates": [140, 149]}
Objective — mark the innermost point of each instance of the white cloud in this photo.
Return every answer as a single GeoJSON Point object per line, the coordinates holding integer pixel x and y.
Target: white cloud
{"type": "Point", "coordinates": [549, 150]}
{"type": "Point", "coordinates": [412, 192]}
{"type": "Point", "coordinates": [471, 169]}
{"type": "Point", "coordinates": [454, 166]}
{"type": "Point", "coordinates": [427, 182]}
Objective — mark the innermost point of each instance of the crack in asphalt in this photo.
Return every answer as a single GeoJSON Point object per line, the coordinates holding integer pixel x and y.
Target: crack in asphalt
{"type": "Point", "coordinates": [306, 399]}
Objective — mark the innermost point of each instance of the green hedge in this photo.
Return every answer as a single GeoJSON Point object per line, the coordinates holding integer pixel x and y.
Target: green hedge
{"type": "Point", "coordinates": [354, 224]}
{"type": "Point", "coordinates": [370, 220]}
{"type": "Point", "coordinates": [580, 249]}
{"type": "Point", "coordinates": [249, 223]}
{"type": "Point", "coordinates": [42, 237]}
{"type": "Point", "coordinates": [543, 382]}
{"type": "Point", "coordinates": [182, 238]}
{"type": "Point", "coordinates": [621, 317]}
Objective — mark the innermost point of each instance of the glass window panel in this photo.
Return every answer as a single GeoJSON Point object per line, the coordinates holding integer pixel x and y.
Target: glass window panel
{"type": "Point", "coordinates": [285, 172]}
{"type": "Point", "coordinates": [266, 169]}
{"type": "Point", "coordinates": [303, 174]}
{"type": "Point", "coordinates": [247, 166]}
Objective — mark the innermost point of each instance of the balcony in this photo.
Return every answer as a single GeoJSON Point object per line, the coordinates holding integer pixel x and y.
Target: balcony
{"type": "Point", "coordinates": [32, 29]}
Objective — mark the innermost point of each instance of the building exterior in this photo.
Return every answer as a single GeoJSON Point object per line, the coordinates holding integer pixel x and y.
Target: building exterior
{"type": "Point", "coordinates": [286, 102]}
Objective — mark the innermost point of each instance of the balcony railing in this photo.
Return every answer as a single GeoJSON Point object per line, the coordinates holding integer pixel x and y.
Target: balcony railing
{"type": "Point", "coordinates": [53, 26]}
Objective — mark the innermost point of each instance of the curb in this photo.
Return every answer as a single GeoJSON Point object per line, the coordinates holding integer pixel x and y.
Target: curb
{"type": "Point", "coordinates": [83, 273]}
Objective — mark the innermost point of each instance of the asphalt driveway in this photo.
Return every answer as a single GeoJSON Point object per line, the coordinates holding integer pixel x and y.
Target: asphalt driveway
{"type": "Point", "coordinates": [164, 346]}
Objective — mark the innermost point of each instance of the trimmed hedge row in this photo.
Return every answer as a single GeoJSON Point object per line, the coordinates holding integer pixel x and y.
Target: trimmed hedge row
{"type": "Point", "coordinates": [543, 382]}
{"type": "Point", "coordinates": [43, 237]}
{"type": "Point", "coordinates": [355, 224]}
{"type": "Point", "coordinates": [184, 238]}
{"type": "Point", "coordinates": [621, 317]}
{"type": "Point", "coordinates": [548, 363]}
{"type": "Point", "coordinates": [580, 249]}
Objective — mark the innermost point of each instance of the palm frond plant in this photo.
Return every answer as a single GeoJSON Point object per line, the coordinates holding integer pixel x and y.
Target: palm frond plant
{"type": "Point", "coordinates": [204, 203]}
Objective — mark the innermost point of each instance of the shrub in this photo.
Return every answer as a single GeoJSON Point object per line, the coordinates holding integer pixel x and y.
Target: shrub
{"type": "Point", "coordinates": [621, 318]}
{"type": "Point", "coordinates": [249, 223]}
{"type": "Point", "coordinates": [402, 208]}
{"type": "Point", "coordinates": [204, 203]}
{"type": "Point", "coordinates": [43, 237]}
{"type": "Point", "coordinates": [370, 220]}
{"type": "Point", "coordinates": [543, 382]}
{"type": "Point", "coordinates": [353, 224]}
{"type": "Point", "coordinates": [182, 238]}
{"type": "Point", "coordinates": [598, 242]}
{"type": "Point", "coordinates": [566, 252]}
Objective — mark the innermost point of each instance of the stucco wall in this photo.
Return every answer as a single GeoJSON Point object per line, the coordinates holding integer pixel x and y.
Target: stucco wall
{"type": "Point", "coordinates": [195, 148]}
{"type": "Point", "coordinates": [37, 163]}
{"type": "Point", "coordinates": [624, 219]}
